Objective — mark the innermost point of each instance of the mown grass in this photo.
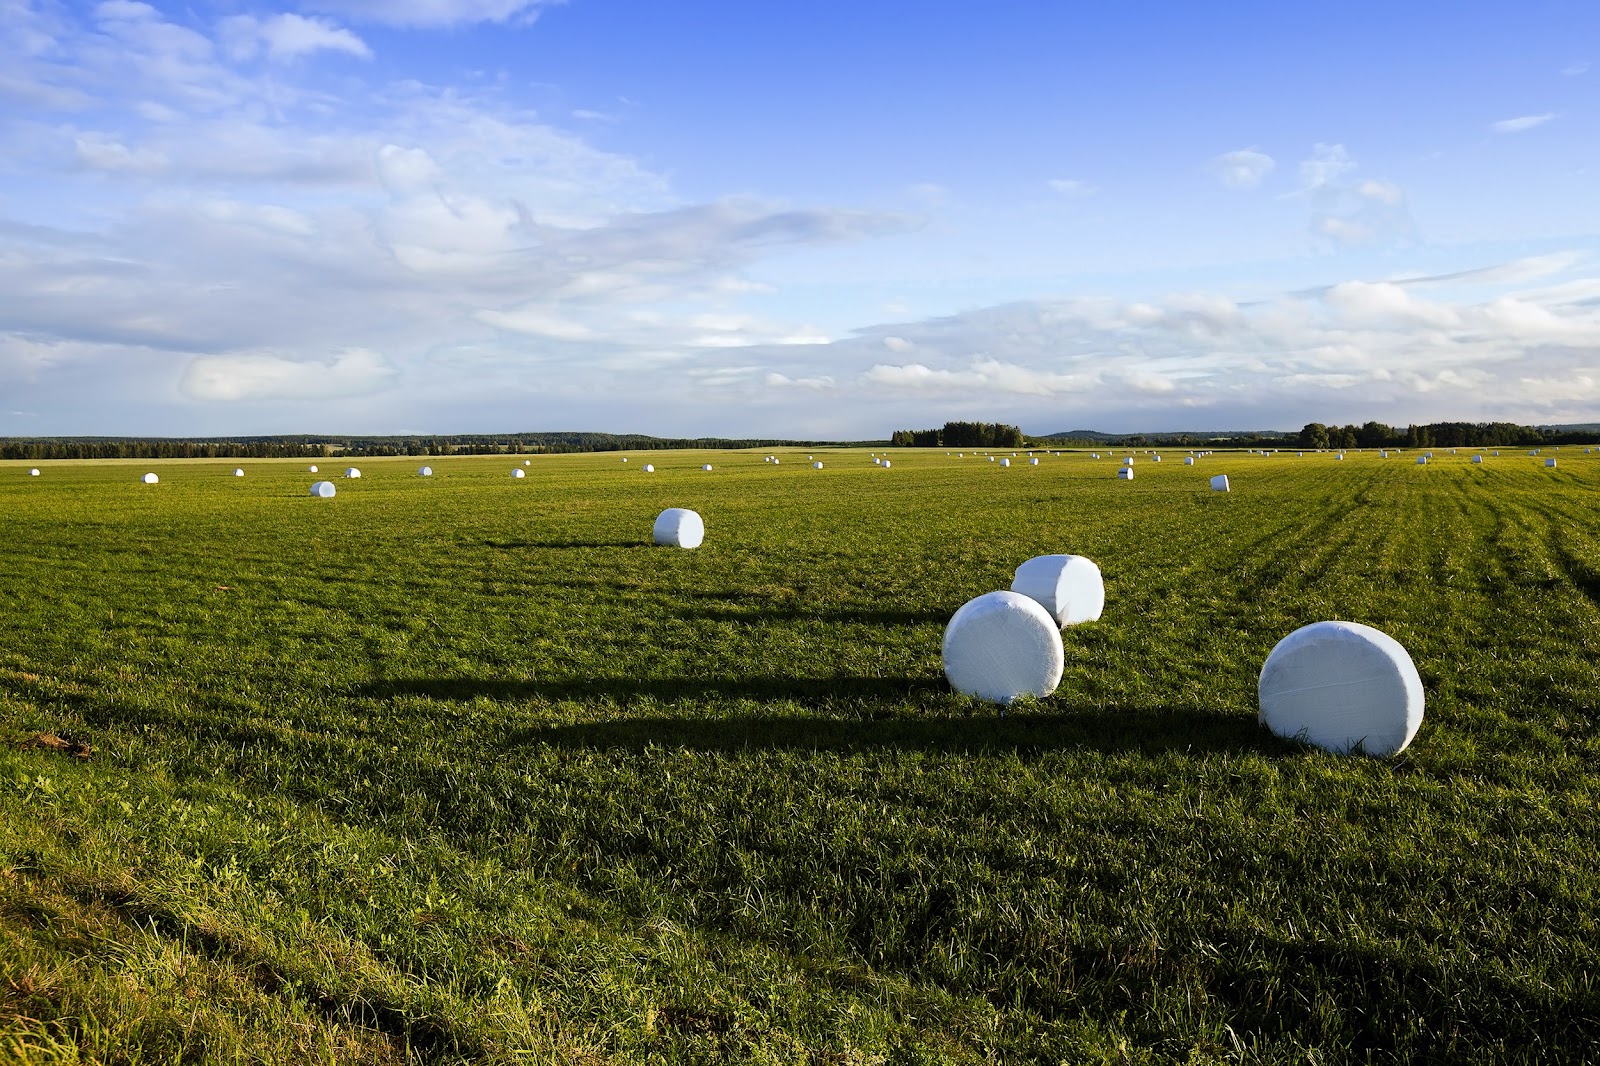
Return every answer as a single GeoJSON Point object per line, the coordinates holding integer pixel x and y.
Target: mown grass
{"type": "Point", "coordinates": [462, 770]}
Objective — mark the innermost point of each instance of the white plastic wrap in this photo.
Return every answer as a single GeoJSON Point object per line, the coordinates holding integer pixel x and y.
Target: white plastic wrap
{"type": "Point", "coordinates": [1125, 474]}
{"type": "Point", "coordinates": [679, 527]}
{"type": "Point", "coordinates": [424, 471]}
{"type": "Point", "coordinates": [238, 471]}
{"type": "Point", "coordinates": [1003, 645]}
{"type": "Point", "coordinates": [1219, 483]}
{"type": "Point", "coordinates": [150, 479]}
{"type": "Point", "coordinates": [1069, 587]}
{"type": "Point", "coordinates": [351, 471]}
{"type": "Point", "coordinates": [323, 490]}
{"type": "Point", "coordinates": [517, 471]}
{"type": "Point", "coordinates": [1342, 686]}
{"type": "Point", "coordinates": [1188, 460]}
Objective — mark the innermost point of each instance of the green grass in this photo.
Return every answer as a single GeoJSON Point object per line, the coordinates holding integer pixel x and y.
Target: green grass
{"type": "Point", "coordinates": [462, 770]}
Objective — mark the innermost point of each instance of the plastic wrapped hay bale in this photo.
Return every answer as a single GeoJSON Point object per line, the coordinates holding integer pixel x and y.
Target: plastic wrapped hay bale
{"type": "Point", "coordinates": [1005, 462]}
{"type": "Point", "coordinates": [1003, 645]}
{"type": "Point", "coordinates": [887, 464]}
{"type": "Point", "coordinates": [1033, 462]}
{"type": "Point", "coordinates": [518, 472]}
{"type": "Point", "coordinates": [424, 471]}
{"type": "Point", "coordinates": [1549, 462]}
{"type": "Point", "coordinates": [150, 479]}
{"type": "Point", "coordinates": [877, 462]}
{"type": "Point", "coordinates": [529, 462]}
{"type": "Point", "coordinates": [1422, 460]}
{"type": "Point", "coordinates": [312, 468]}
{"type": "Point", "coordinates": [1188, 460]}
{"type": "Point", "coordinates": [1155, 458]}
{"type": "Point", "coordinates": [679, 527]}
{"type": "Point", "coordinates": [624, 458]}
{"type": "Point", "coordinates": [649, 468]}
{"type": "Point", "coordinates": [1477, 458]}
{"type": "Point", "coordinates": [238, 471]}
{"type": "Point", "coordinates": [817, 465]}
{"type": "Point", "coordinates": [775, 461]}
{"type": "Point", "coordinates": [351, 471]}
{"type": "Point", "coordinates": [1128, 461]}
{"type": "Point", "coordinates": [323, 490]}
{"type": "Point", "coordinates": [1125, 474]}
{"type": "Point", "coordinates": [1069, 587]}
{"type": "Point", "coordinates": [33, 472]}
{"type": "Point", "coordinates": [1342, 686]}
{"type": "Point", "coordinates": [1219, 483]}
{"type": "Point", "coordinates": [706, 467]}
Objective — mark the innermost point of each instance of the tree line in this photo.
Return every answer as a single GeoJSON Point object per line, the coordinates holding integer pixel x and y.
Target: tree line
{"type": "Point", "coordinates": [1439, 435]}
{"type": "Point", "coordinates": [961, 435]}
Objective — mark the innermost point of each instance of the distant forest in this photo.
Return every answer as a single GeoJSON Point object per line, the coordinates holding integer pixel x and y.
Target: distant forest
{"type": "Point", "coordinates": [314, 447]}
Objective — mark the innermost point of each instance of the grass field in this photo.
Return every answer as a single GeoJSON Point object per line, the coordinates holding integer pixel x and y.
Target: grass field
{"type": "Point", "coordinates": [462, 770]}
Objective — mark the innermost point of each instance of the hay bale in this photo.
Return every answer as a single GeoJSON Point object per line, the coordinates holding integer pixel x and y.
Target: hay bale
{"type": "Point", "coordinates": [1003, 645]}
{"type": "Point", "coordinates": [679, 527]}
{"type": "Point", "coordinates": [1477, 458]}
{"type": "Point", "coordinates": [517, 471]}
{"type": "Point", "coordinates": [351, 471]}
{"type": "Point", "coordinates": [150, 479]}
{"type": "Point", "coordinates": [323, 490]}
{"type": "Point", "coordinates": [1155, 458]}
{"type": "Point", "coordinates": [775, 461]}
{"type": "Point", "coordinates": [1219, 483]}
{"type": "Point", "coordinates": [1005, 462]}
{"type": "Point", "coordinates": [424, 471]}
{"type": "Point", "coordinates": [312, 468]}
{"type": "Point", "coordinates": [1069, 587]}
{"type": "Point", "coordinates": [624, 458]}
{"type": "Point", "coordinates": [1549, 462]}
{"type": "Point", "coordinates": [1422, 460]}
{"type": "Point", "coordinates": [706, 467]}
{"type": "Point", "coordinates": [887, 464]}
{"type": "Point", "coordinates": [238, 471]}
{"type": "Point", "coordinates": [817, 465]}
{"type": "Point", "coordinates": [1188, 460]}
{"type": "Point", "coordinates": [1343, 687]}
{"type": "Point", "coordinates": [1128, 461]}
{"type": "Point", "coordinates": [877, 462]}
{"type": "Point", "coordinates": [1125, 474]}
{"type": "Point", "coordinates": [529, 462]}
{"type": "Point", "coordinates": [1033, 462]}
{"type": "Point", "coordinates": [33, 472]}
{"type": "Point", "coordinates": [649, 468]}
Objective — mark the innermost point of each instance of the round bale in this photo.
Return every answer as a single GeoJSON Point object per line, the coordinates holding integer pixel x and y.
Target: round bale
{"type": "Point", "coordinates": [679, 527]}
{"type": "Point", "coordinates": [323, 490]}
{"type": "Point", "coordinates": [1219, 483]}
{"type": "Point", "coordinates": [351, 471]}
{"type": "Point", "coordinates": [1068, 586]}
{"type": "Point", "coordinates": [649, 468]}
{"type": "Point", "coordinates": [1342, 687]}
{"type": "Point", "coordinates": [1003, 645]}
{"type": "Point", "coordinates": [517, 471]}
{"type": "Point", "coordinates": [424, 471]}
{"type": "Point", "coordinates": [150, 479]}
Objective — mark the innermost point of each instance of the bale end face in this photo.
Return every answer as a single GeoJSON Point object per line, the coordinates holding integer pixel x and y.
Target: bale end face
{"type": "Point", "coordinates": [1343, 687]}
{"type": "Point", "coordinates": [679, 527]}
{"type": "Point", "coordinates": [1069, 587]}
{"type": "Point", "coordinates": [1001, 646]}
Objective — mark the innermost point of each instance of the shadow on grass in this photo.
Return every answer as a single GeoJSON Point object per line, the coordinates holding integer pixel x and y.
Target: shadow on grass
{"type": "Point", "coordinates": [513, 545]}
{"type": "Point", "coordinates": [970, 728]}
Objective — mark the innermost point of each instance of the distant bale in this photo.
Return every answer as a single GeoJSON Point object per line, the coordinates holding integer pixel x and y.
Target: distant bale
{"type": "Point", "coordinates": [424, 471]}
{"type": "Point", "coordinates": [1069, 587]}
{"type": "Point", "coordinates": [150, 479]}
{"type": "Point", "coordinates": [1033, 462]}
{"type": "Point", "coordinates": [679, 527]}
{"type": "Point", "coordinates": [529, 462]}
{"type": "Point", "coordinates": [775, 461]}
{"type": "Point", "coordinates": [817, 465]}
{"type": "Point", "coordinates": [887, 464]}
{"type": "Point", "coordinates": [323, 490]}
{"type": "Point", "coordinates": [1003, 645]}
{"type": "Point", "coordinates": [1128, 461]}
{"type": "Point", "coordinates": [238, 471]}
{"type": "Point", "coordinates": [1005, 462]}
{"type": "Point", "coordinates": [1343, 687]}
{"type": "Point", "coordinates": [517, 471]}
{"type": "Point", "coordinates": [1188, 460]}
{"type": "Point", "coordinates": [312, 468]}
{"type": "Point", "coordinates": [624, 458]}
{"type": "Point", "coordinates": [33, 472]}
{"type": "Point", "coordinates": [351, 471]}
{"type": "Point", "coordinates": [1422, 460]}
{"type": "Point", "coordinates": [1155, 458]}
{"type": "Point", "coordinates": [1549, 462]}
{"type": "Point", "coordinates": [707, 467]}
{"type": "Point", "coordinates": [1219, 483]}
{"type": "Point", "coordinates": [649, 468]}
{"type": "Point", "coordinates": [1125, 474]}
{"type": "Point", "coordinates": [1477, 458]}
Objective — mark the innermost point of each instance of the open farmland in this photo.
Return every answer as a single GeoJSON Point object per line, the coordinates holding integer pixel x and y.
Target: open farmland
{"type": "Point", "coordinates": [461, 769]}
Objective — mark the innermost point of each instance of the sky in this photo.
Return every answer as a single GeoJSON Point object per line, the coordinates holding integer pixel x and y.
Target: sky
{"type": "Point", "coordinates": [820, 221]}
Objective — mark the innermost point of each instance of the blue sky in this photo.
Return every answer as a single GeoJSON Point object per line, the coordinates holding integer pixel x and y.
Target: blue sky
{"type": "Point", "coordinates": [832, 220]}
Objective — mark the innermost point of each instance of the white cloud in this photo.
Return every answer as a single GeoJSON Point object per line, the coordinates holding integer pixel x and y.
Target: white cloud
{"type": "Point", "coordinates": [287, 36]}
{"type": "Point", "coordinates": [1242, 169]}
{"type": "Point", "coordinates": [100, 151]}
{"type": "Point", "coordinates": [1521, 122]}
{"type": "Point", "coordinates": [1384, 192]}
{"type": "Point", "coordinates": [1328, 163]}
{"type": "Point", "coordinates": [897, 344]}
{"type": "Point", "coordinates": [821, 383]}
{"type": "Point", "coordinates": [251, 377]}
{"type": "Point", "coordinates": [1575, 70]}
{"type": "Point", "coordinates": [433, 13]}
{"type": "Point", "coordinates": [1072, 187]}
{"type": "Point", "coordinates": [990, 375]}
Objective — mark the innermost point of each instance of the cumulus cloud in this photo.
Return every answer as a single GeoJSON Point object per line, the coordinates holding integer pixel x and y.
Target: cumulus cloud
{"type": "Point", "coordinates": [1244, 168]}
{"type": "Point", "coordinates": [1327, 164]}
{"type": "Point", "coordinates": [821, 383]}
{"type": "Point", "coordinates": [1521, 123]}
{"type": "Point", "coordinates": [433, 13]}
{"type": "Point", "coordinates": [250, 377]}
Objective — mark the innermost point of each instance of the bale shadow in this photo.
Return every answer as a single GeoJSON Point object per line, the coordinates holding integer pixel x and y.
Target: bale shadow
{"type": "Point", "coordinates": [663, 689]}
{"type": "Point", "coordinates": [514, 545]}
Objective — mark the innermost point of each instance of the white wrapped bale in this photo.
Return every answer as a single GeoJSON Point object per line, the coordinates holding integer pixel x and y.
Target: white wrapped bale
{"type": "Point", "coordinates": [887, 464]}
{"type": "Point", "coordinates": [1155, 458]}
{"type": "Point", "coordinates": [1342, 686]}
{"type": "Point", "coordinates": [150, 479]}
{"type": "Point", "coordinates": [877, 462]}
{"type": "Point", "coordinates": [1005, 462]}
{"type": "Point", "coordinates": [1125, 474]}
{"type": "Point", "coordinates": [775, 461]}
{"type": "Point", "coordinates": [312, 468]}
{"type": "Point", "coordinates": [1549, 462]}
{"type": "Point", "coordinates": [1003, 645]}
{"type": "Point", "coordinates": [706, 467]}
{"type": "Point", "coordinates": [817, 465]}
{"type": "Point", "coordinates": [1033, 462]}
{"type": "Point", "coordinates": [679, 527]}
{"type": "Point", "coordinates": [649, 468]}
{"type": "Point", "coordinates": [238, 471]}
{"type": "Point", "coordinates": [424, 471]}
{"type": "Point", "coordinates": [1422, 460]}
{"type": "Point", "coordinates": [624, 458]}
{"type": "Point", "coordinates": [1069, 587]}
{"type": "Point", "coordinates": [1188, 460]}
{"type": "Point", "coordinates": [33, 472]}
{"type": "Point", "coordinates": [351, 471]}
{"type": "Point", "coordinates": [517, 471]}
{"type": "Point", "coordinates": [1477, 458]}
{"type": "Point", "coordinates": [323, 490]}
{"type": "Point", "coordinates": [1219, 483]}
{"type": "Point", "coordinates": [1128, 461]}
